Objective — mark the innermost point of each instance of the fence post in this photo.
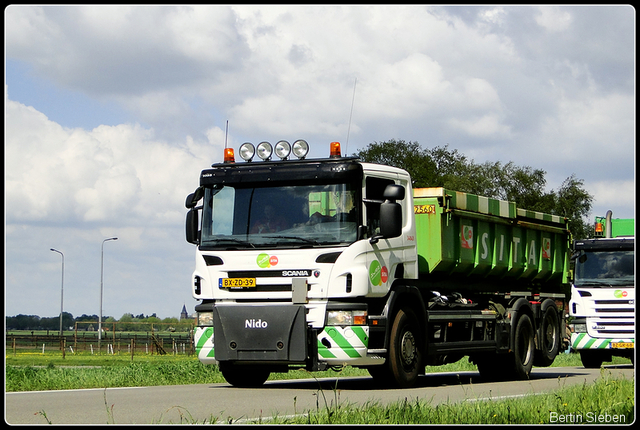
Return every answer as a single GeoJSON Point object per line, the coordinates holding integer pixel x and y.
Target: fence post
{"type": "Point", "coordinates": [133, 343]}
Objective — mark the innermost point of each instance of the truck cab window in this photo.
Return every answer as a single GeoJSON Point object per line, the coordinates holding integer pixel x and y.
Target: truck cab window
{"type": "Point", "coordinates": [242, 217]}
{"type": "Point", "coordinates": [374, 197]}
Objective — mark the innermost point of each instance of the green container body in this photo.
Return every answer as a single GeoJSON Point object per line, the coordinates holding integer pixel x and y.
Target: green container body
{"type": "Point", "coordinates": [620, 227]}
{"type": "Point", "coordinates": [488, 244]}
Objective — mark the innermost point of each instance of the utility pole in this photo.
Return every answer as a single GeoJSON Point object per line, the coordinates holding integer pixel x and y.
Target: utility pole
{"type": "Point", "coordinates": [61, 289]}
{"type": "Point", "coordinates": [101, 289]}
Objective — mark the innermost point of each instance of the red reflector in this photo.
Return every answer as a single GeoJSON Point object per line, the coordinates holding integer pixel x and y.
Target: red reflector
{"type": "Point", "coordinates": [335, 150]}
{"type": "Point", "coordinates": [228, 155]}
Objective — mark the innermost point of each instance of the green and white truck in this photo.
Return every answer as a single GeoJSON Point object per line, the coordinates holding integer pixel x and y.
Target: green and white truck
{"type": "Point", "coordinates": [603, 293]}
{"type": "Point", "coordinates": [322, 263]}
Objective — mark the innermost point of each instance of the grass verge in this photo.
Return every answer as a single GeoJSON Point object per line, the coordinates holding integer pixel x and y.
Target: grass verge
{"type": "Point", "coordinates": [607, 401]}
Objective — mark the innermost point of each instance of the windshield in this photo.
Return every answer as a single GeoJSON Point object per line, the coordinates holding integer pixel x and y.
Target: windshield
{"type": "Point", "coordinates": [605, 269]}
{"type": "Point", "coordinates": [241, 217]}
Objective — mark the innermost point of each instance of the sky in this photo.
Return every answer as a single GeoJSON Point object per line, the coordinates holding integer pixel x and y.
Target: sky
{"type": "Point", "coordinates": [111, 112]}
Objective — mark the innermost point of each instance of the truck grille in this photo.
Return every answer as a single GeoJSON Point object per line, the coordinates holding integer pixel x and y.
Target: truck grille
{"type": "Point", "coordinates": [613, 317]}
{"type": "Point", "coordinates": [613, 327]}
{"type": "Point", "coordinates": [614, 307]}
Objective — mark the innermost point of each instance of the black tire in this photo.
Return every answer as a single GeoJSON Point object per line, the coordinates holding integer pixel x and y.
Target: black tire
{"type": "Point", "coordinates": [523, 348]}
{"type": "Point", "coordinates": [244, 376]}
{"type": "Point", "coordinates": [405, 349]}
{"type": "Point", "coordinates": [550, 338]}
{"type": "Point", "coordinates": [591, 359]}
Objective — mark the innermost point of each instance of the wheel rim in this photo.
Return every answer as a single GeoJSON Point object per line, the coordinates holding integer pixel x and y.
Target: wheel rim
{"type": "Point", "coordinates": [550, 334]}
{"type": "Point", "coordinates": [408, 349]}
{"type": "Point", "coordinates": [525, 349]}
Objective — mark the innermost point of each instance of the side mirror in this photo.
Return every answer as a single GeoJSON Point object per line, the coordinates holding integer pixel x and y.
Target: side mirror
{"type": "Point", "coordinates": [193, 198]}
{"type": "Point", "coordinates": [394, 192]}
{"type": "Point", "coordinates": [390, 214]}
{"type": "Point", "coordinates": [390, 219]}
{"type": "Point", "coordinates": [191, 227]}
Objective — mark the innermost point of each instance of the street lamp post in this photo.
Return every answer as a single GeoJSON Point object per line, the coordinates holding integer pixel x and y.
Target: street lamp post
{"type": "Point", "coordinates": [61, 288]}
{"type": "Point", "coordinates": [101, 289]}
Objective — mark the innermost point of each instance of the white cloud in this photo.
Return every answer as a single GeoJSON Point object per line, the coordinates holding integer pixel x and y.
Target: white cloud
{"type": "Point", "coordinates": [596, 127]}
{"type": "Point", "coordinates": [109, 174]}
{"type": "Point", "coordinates": [615, 195]}
{"type": "Point", "coordinates": [553, 19]}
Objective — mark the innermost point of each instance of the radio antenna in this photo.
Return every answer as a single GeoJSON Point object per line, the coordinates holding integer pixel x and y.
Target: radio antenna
{"type": "Point", "coordinates": [226, 133]}
{"type": "Point", "coordinates": [350, 115]}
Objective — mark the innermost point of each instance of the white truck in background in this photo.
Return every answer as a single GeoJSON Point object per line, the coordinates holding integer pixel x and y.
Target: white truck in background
{"type": "Point", "coordinates": [603, 293]}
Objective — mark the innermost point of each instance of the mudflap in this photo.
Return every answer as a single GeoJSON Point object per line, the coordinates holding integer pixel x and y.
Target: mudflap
{"type": "Point", "coordinates": [266, 334]}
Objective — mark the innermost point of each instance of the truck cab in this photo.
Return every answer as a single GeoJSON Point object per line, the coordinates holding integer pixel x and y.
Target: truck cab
{"type": "Point", "coordinates": [284, 248]}
{"type": "Point", "coordinates": [603, 297]}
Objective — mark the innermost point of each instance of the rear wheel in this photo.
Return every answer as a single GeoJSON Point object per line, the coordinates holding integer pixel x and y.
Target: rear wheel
{"type": "Point", "coordinates": [550, 338]}
{"type": "Point", "coordinates": [244, 376]}
{"type": "Point", "coordinates": [523, 348]}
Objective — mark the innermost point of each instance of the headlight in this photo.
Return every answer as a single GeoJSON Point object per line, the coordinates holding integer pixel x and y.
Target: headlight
{"type": "Point", "coordinates": [579, 328]}
{"type": "Point", "coordinates": [351, 317]}
{"type": "Point", "coordinates": [204, 319]}
{"type": "Point", "coordinates": [283, 149]}
{"type": "Point", "coordinates": [264, 150]}
{"type": "Point", "coordinates": [300, 148]}
{"type": "Point", "coordinates": [247, 151]}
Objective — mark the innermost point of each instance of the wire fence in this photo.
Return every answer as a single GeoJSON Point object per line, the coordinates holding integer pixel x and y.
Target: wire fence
{"type": "Point", "coordinates": [115, 338]}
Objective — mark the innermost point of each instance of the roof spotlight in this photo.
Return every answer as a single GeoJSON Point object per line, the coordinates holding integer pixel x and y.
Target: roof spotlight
{"type": "Point", "coordinates": [247, 151]}
{"type": "Point", "coordinates": [283, 149]}
{"type": "Point", "coordinates": [300, 148]}
{"type": "Point", "coordinates": [264, 150]}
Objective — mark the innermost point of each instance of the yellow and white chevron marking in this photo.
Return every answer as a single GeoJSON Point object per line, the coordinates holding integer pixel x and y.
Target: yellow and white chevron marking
{"type": "Point", "coordinates": [584, 341]}
{"type": "Point", "coordinates": [204, 345]}
{"type": "Point", "coordinates": [345, 345]}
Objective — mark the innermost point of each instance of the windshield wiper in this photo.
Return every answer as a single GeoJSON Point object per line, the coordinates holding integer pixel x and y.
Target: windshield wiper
{"type": "Point", "coordinates": [230, 239]}
{"type": "Point", "coordinates": [301, 239]}
{"type": "Point", "coordinates": [593, 284]}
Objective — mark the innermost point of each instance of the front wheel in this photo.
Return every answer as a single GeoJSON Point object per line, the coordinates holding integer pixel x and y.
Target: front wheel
{"type": "Point", "coordinates": [405, 349]}
{"type": "Point", "coordinates": [591, 359]}
{"type": "Point", "coordinates": [244, 376]}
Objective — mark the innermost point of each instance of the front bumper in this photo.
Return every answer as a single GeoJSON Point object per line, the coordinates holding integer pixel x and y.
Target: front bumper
{"type": "Point", "coordinates": [580, 341]}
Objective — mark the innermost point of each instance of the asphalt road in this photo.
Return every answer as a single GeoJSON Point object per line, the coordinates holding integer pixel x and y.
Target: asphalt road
{"type": "Point", "coordinates": [222, 402]}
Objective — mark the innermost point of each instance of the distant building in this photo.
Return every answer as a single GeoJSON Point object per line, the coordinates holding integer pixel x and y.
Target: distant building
{"type": "Point", "coordinates": [184, 315]}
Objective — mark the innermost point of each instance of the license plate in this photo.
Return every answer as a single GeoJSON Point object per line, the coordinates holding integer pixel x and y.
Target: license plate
{"type": "Point", "coordinates": [622, 345]}
{"type": "Point", "coordinates": [237, 282]}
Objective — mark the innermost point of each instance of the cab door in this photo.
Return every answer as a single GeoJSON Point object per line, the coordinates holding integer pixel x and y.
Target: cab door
{"type": "Point", "coordinates": [387, 259]}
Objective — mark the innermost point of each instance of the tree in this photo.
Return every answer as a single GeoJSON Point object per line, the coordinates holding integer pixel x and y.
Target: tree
{"type": "Point", "coordinates": [575, 203]}
{"type": "Point", "coordinates": [524, 185]}
{"type": "Point", "coordinates": [408, 155]}
{"type": "Point", "coordinates": [125, 321]}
